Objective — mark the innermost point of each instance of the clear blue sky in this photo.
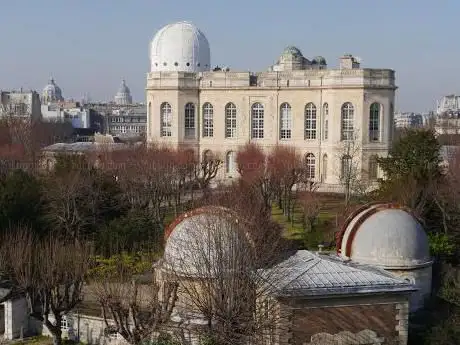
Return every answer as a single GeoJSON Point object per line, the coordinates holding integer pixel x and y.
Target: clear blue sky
{"type": "Point", "coordinates": [90, 45]}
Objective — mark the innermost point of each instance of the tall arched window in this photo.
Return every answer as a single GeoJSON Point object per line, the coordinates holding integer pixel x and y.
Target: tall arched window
{"type": "Point", "coordinates": [374, 122]}
{"type": "Point", "coordinates": [230, 120]}
{"type": "Point", "coordinates": [326, 121]}
{"type": "Point", "coordinates": [257, 121]}
{"type": "Point", "coordinates": [310, 121]}
{"type": "Point", "coordinates": [149, 116]}
{"type": "Point", "coordinates": [285, 121]}
{"type": "Point", "coordinates": [347, 121]}
{"type": "Point", "coordinates": [230, 162]}
{"type": "Point", "coordinates": [166, 120]}
{"type": "Point", "coordinates": [310, 164]}
{"type": "Point", "coordinates": [373, 168]}
{"type": "Point", "coordinates": [346, 168]}
{"type": "Point", "coordinates": [189, 120]}
{"type": "Point", "coordinates": [208, 120]}
{"type": "Point", "coordinates": [324, 171]}
{"type": "Point", "coordinates": [392, 116]}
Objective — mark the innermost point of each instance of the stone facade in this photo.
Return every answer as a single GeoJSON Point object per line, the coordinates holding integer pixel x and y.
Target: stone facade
{"type": "Point", "coordinates": [306, 109]}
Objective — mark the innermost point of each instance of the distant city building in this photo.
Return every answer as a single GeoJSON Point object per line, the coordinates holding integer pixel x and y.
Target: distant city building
{"type": "Point", "coordinates": [408, 120]}
{"type": "Point", "coordinates": [448, 104]}
{"type": "Point", "coordinates": [123, 96]}
{"type": "Point", "coordinates": [122, 120]}
{"type": "Point", "coordinates": [130, 121]}
{"type": "Point", "coordinates": [20, 104]}
{"type": "Point", "coordinates": [52, 93]}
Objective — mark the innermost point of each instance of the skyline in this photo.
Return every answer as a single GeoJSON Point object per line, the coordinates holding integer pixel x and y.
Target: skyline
{"type": "Point", "coordinates": [90, 47]}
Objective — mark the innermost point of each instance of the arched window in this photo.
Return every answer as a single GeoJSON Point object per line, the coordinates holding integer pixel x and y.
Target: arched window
{"type": "Point", "coordinates": [208, 121]}
{"type": "Point", "coordinates": [324, 171]}
{"type": "Point", "coordinates": [373, 168]}
{"type": "Point", "coordinates": [374, 122]}
{"type": "Point", "coordinates": [310, 121]}
{"type": "Point", "coordinates": [257, 121]}
{"type": "Point", "coordinates": [347, 121]}
{"type": "Point", "coordinates": [285, 121]}
{"type": "Point", "coordinates": [149, 116]}
{"type": "Point", "coordinates": [346, 168]}
{"type": "Point", "coordinates": [230, 120]}
{"type": "Point", "coordinates": [189, 120]}
{"type": "Point", "coordinates": [310, 164]}
{"type": "Point", "coordinates": [166, 119]}
{"type": "Point", "coordinates": [207, 155]}
{"type": "Point", "coordinates": [230, 162]}
{"type": "Point", "coordinates": [392, 116]}
{"type": "Point", "coordinates": [326, 121]}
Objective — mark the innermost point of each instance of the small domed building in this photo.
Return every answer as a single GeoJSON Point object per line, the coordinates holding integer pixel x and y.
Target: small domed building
{"type": "Point", "coordinates": [52, 93]}
{"type": "Point", "coordinates": [390, 237]}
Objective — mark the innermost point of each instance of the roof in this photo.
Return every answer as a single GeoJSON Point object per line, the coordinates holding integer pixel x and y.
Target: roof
{"type": "Point", "coordinates": [83, 147]}
{"type": "Point", "coordinates": [312, 274]}
{"type": "Point", "coordinates": [385, 235]}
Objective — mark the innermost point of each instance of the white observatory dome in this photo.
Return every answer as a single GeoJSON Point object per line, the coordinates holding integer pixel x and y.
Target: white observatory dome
{"type": "Point", "coordinates": [204, 241]}
{"type": "Point", "coordinates": [387, 236]}
{"type": "Point", "coordinates": [180, 47]}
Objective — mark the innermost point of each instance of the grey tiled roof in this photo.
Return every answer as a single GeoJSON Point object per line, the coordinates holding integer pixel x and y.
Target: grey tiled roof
{"type": "Point", "coordinates": [83, 147]}
{"type": "Point", "coordinates": [311, 274]}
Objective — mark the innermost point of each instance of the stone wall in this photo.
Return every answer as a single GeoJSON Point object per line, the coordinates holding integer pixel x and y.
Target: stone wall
{"type": "Point", "coordinates": [354, 321]}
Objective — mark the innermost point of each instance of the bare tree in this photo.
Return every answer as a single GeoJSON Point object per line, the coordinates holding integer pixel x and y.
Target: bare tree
{"type": "Point", "coordinates": [252, 167]}
{"type": "Point", "coordinates": [65, 195]}
{"type": "Point", "coordinates": [206, 171]}
{"type": "Point", "coordinates": [49, 272]}
{"type": "Point", "coordinates": [223, 279]}
{"type": "Point", "coordinates": [286, 169]}
{"type": "Point", "coordinates": [136, 307]}
{"type": "Point", "coordinates": [350, 157]}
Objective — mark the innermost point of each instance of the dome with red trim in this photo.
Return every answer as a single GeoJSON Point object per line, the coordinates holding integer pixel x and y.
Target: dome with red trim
{"type": "Point", "coordinates": [385, 235]}
{"type": "Point", "coordinates": [205, 242]}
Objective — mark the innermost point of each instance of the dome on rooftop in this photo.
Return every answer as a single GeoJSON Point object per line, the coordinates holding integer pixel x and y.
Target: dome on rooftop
{"type": "Point", "coordinates": [180, 47]}
{"type": "Point", "coordinates": [52, 92]}
{"type": "Point", "coordinates": [204, 242]}
{"type": "Point", "coordinates": [319, 60]}
{"type": "Point", "coordinates": [123, 96]}
{"type": "Point", "coordinates": [292, 50]}
{"type": "Point", "coordinates": [387, 236]}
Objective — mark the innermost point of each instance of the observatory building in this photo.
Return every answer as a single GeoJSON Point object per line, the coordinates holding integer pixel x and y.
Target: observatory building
{"type": "Point", "coordinates": [298, 101]}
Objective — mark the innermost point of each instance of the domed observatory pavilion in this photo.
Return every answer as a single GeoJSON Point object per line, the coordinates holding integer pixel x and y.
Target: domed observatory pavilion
{"type": "Point", "coordinates": [390, 237]}
{"type": "Point", "coordinates": [210, 257]}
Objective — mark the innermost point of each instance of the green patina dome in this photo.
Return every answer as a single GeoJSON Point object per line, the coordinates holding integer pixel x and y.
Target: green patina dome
{"type": "Point", "coordinates": [319, 60]}
{"type": "Point", "coordinates": [292, 50]}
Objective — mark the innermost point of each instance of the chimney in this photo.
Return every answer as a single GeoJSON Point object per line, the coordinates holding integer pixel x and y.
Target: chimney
{"type": "Point", "coordinates": [320, 248]}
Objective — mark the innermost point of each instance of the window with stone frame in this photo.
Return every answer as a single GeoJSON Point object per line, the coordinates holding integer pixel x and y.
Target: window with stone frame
{"type": "Point", "coordinates": [189, 120]}
{"type": "Point", "coordinates": [310, 121]}
{"type": "Point", "coordinates": [285, 121]}
{"type": "Point", "coordinates": [230, 162]}
{"type": "Point", "coordinates": [310, 165]}
{"type": "Point", "coordinates": [166, 120]}
{"type": "Point", "coordinates": [326, 121]}
{"type": "Point", "coordinates": [230, 120]}
{"type": "Point", "coordinates": [374, 122]}
{"type": "Point", "coordinates": [373, 168]}
{"type": "Point", "coordinates": [347, 121]}
{"type": "Point", "coordinates": [257, 121]}
{"type": "Point", "coordinates": [208, 120]}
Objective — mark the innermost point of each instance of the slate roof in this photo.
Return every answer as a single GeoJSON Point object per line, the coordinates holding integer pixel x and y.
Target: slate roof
{"type": "Point", "coordinates": [312, 274]}
{"type": "Point", "coordinates": [83, 146]}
